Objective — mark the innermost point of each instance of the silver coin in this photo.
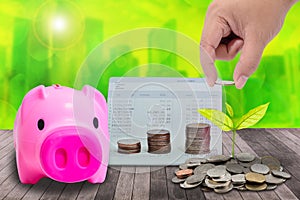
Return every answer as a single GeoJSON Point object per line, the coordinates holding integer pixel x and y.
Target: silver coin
{"type": "Point", "coordinates": [185, 185]}
{"type": "Point", "coordinates": [213, 184]}
{"type": "Point", "coordinates": [196, 178]}
{"type": "Point", "coordinates": [260, 168]}
{"type": "Point", "coordinates": [271, 187]}
{"type": "Point", "coordinates": [221, 167]}
{"type": "Point", "coordinates": [234, 168]}
{"type": "Point", "coordinates": [245, 157]}
{"type": "Point", "coordinates": [216, 172]}
{"type": "Point", "coordinates": [238, 179]}
{"type": "Point", "coordinates": [232, 161]}
{"type": "Point", "coordinates": [281, 174]}
{"type": "Point", "coordinates": [224, 82]}
{"type": "Point", "coordinates": [193, 165]}
{"type": "Point", "coordinates": [240, 187]}
{"type": "Point", "coordinates": [272, 162]}
{"type": "Point", "coordinates": [281, 168]}
{"type": "Point", "coordinates": [225, 178]}
{"type": "Point", "coordinates": [273, 180]}
{"type": "Point", "coordinates": [248, 164]}
{"type": "Point", "coordinates": [218, 158]}
{"type": "Point", "coordinates": [195, 160]}
{"type": "Point", "coordinates": [202, 169]}
{"type": "Point", "coordinates": [223, 190]}
{"type": "Point", "coordinates": [183, 166]}
{"type": "Point", "coordinates": [178, 180]}
{"type": "Point", "coordinates": [246, 170]}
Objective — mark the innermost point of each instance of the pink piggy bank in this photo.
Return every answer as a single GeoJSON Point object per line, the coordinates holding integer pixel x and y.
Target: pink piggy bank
{"type": "Point", "coordinates": [62, 133]}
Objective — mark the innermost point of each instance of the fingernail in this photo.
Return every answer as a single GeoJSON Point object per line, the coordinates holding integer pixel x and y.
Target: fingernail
{"type": "Point", "coordinates": [241, 82]}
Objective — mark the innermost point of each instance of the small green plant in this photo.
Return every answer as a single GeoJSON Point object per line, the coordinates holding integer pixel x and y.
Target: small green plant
{"type": "Point", "coordinates": [229, 123]}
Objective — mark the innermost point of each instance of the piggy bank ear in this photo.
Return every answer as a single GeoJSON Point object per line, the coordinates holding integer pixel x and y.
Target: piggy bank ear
{"type": "Point", "coordinates": [33, 95]}
{"type": "Point", "coordinates": [95, 94]}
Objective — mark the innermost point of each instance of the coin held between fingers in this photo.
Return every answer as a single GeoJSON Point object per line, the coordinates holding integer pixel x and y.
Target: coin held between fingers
{"type": "Point", "coordinates": [224, 82]}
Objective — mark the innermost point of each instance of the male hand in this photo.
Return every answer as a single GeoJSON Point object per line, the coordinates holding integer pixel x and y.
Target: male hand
{"type": "Point", "coordinates": [239, 25]}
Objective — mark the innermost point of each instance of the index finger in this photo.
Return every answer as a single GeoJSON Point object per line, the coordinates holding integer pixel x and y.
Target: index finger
{"type": "Point", "coordinates": [212, 33]}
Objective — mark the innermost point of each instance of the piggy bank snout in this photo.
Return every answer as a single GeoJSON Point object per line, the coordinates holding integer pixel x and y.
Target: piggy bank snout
{"type": "Point", "coordinates": [70, 157]}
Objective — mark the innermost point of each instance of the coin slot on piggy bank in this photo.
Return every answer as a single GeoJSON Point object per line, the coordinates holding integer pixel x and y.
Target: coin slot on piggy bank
{"type": "Point", "coordinates": [62, 133]}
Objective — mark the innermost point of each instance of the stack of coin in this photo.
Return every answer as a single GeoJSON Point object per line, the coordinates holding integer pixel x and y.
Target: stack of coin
{"type": "Point", "coordinates": [129, 146]}
{"type": "Point", "coordinates": [197, 138]}
{"type": "Point", "coordinates": [222, 174]}
{"type": "Point", "coordinates": [158, 141]}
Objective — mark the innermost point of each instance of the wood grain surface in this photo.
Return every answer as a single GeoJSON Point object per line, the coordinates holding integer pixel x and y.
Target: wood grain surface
{"type": "Point", "coordinates": [149, 182]}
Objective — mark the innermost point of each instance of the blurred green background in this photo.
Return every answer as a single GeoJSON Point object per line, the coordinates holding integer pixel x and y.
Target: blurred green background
{"type": "Point", "coordinates": [46, 42]}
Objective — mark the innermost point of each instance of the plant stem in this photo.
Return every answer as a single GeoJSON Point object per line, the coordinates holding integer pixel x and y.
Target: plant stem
{"type": "Point", "coordinates": [233, 142]}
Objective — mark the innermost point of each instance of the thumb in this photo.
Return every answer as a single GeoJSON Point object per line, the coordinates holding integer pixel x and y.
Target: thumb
{"type": "Point", "coordinates": [249, 60]}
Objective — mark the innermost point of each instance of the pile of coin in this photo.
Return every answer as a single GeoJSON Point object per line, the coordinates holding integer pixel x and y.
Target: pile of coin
{"type": "Point", "coordinates": [197, 139]}
{"type": "Point", "coordinates": [158, 141]}
{"type": "Point", "coordinates": [129, 146]}
{"type": "Point", "coordinates": [223, 173]}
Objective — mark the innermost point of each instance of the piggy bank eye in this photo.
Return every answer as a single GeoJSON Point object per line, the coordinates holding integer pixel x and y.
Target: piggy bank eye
{"type": "Point", "coordinates": [95, 122]}
{"type": "Point", "coordinates": [41, 124]}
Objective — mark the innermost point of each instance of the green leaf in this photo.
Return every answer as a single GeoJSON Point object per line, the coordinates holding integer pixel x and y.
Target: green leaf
{"type": "Point", "coordinates": [229, 109]}
{"type": "Point", "coordinates": [218, 118]}
{"type": "Point", "coordinates": [252, 117]}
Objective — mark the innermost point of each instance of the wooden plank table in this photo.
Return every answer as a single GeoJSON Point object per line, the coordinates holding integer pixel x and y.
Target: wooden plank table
{"type": "Point", "coordinates": [131, 182]}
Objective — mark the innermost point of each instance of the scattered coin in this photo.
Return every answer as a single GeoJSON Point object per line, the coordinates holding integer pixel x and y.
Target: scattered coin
{"type": "Point", "coordinates": [196, 178]}
{"type": "Point", "coordinates": [260, 168]}
{"type": "Point", "coordinates": [218, 158]}
{"type": "Point", "coordinates": [195, 160]}
{"type": "Point", "coordinates": [233, 161]}
{"type": "Point", "coordinates": [213, 184]}
{"type": "Point", "coordinates": [224, 83]}
{"type": "Point", "coordinates": [183, 166]}
{"type": "Point", "coordinates": [234, 168]}
{"type": "Point", "coordinates": [271, 187]}
{"type": "Point", "coordinates": [185, 185]}
{"type": "Point", "coordinates": [193, 165]}
{"type": "Point", "coordinates": [245, 157]}
{"type": "Point", "coordinates": [129, 146]}
{"type": "Point", "coordinates": [178, 180]}
{"type": "Point", "coordinates": [223, 190]}
{"type": "Point", "coordinates": [240, 187]}
{"type": "Point", "coordinates": [256, 187]}
{"type": "Point", "coordinates": [219, 173]}
{"type": "Point", "coordinates": [225, 178]}
{"type": "Point", "coordinates": [238, 179]}
{"type": "Point", "coordinates": [184, 173]}
{"type": "Point", "coordinates": [271, 162]}
{"type": "Point", "coordinates": [281, 174]}
{"type": "Point", "coordinates": [248, 164]}
{"type": "Point", "coordinates": [274, 167]}
{"type": "Point", "coordinates": [202, 169]}
{"type": "Point", "coordinates": [255, 177]}
{"type": "Point", "coordinates": [273, 180]}
{"type": "Point", "coordinates": [216, 172]}
{"type": "Point", "coordinates": [246, 170]}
